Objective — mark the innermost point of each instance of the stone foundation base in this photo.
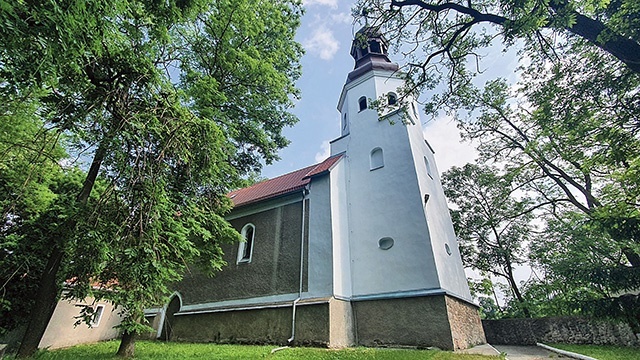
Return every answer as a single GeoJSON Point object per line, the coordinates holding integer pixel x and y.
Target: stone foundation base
{"type": "Point", "coordinates": [429, 321]}
{"type": "Point", "coordinates": [426, 321]}
{"type": "Point", "coordinates": [256, 326]}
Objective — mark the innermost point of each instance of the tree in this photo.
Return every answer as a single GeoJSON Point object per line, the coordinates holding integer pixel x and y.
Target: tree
{"type": "Point", "coordinates": [29, 173]}
{"type": "Point", "coordinates": [577, 117]}
{"type": "Point", "coordinates": [485, 292]}
{"type": "Point", "coordinates": [493, 226]}
{"type": "Point", "coordinates": [170, 150]}
{"type": "Point", "coordinates": [584, 270]}
{"type": "Point", "coordinates": [445, 28]}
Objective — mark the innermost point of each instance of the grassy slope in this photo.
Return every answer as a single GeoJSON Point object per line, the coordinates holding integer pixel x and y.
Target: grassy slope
{"type": "Point", "coordinates": [159, 350]}
{"type": "Point", "coordinates": [602, 352]}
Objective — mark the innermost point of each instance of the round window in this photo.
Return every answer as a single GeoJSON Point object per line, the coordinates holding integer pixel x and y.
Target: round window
{"type": "Point", "coordinates": [385, 243]}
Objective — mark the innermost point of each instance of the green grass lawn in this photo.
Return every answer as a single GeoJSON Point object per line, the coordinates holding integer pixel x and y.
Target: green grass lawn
{"type": "Point", "coordinates": [160, 350]}
{"type": "Point", "coordinates": [602, 352]}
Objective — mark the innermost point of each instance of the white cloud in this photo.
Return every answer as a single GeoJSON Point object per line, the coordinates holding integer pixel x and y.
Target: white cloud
{"type": "Point", "coordinates": [331, 3]}
{"type": "Point", "coordinates": [342, 18]}
{"type": "Point", "coordinates": [322, 43]}
{"type": "Point", "coordinates": [325, 151]}
{"type": "Point", "coordinates": [443, 135]}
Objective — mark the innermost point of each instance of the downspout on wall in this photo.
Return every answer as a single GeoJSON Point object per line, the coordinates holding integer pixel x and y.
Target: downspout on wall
{"type": "Point", "coordinates": [305, 192]}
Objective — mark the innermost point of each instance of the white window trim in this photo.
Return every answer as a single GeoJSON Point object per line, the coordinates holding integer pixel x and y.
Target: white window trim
{"type": "Point", "coordinates": [378, 166]}
{"type": "Point", "coordinates": [242, 245]}
{"type": "Point", "coordinates": [97, 316]}
{"type": "Point", "coordinates": [366, 103]}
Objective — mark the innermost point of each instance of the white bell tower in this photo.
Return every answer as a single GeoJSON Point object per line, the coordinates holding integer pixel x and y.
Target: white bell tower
{"type": "Point", "coordinates": [396, 239]}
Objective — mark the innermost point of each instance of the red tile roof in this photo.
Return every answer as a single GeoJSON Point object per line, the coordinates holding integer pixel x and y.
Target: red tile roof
{"type": "Point", "coordinates": [281, 185]}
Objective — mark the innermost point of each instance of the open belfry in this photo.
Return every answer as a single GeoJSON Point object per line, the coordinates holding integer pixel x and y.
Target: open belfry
{"type": "Point", "coordinates": [356, 250]}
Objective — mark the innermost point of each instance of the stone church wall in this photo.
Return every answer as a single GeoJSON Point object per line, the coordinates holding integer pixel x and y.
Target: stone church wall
{"type": "Point", "coordinates": [274, 268]}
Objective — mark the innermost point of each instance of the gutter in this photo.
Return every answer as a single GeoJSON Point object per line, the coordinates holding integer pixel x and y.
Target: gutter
{"type": "Point", "coordinates": [305, 192]}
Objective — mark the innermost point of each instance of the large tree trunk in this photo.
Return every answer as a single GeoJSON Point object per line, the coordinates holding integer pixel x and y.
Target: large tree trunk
{"type": "Point", "coordinates": [49, 288]}
{"type": "Point", "coordinates": [516, 291]}
{"type": "Point", "coordinates": [624, 49]}
{"type": "Point", "coordinates": [46, 301]}
{"type": "Point", "coordinates": [127, 345]}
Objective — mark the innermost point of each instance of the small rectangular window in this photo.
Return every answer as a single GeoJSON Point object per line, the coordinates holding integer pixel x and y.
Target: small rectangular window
{"type": "Point", "coordinates": [97, 315]}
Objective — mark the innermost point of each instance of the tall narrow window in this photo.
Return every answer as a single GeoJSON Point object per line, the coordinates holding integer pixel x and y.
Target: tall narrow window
{"type": "Point", "coordinates": [377, 159]}
{"type": "Point", "coordinates": [428, 166]}
{"type": "Point", "coordinates": [362, 103]}
{"type": "Point", "coordinates": [392, 99]}
{"type": "Point", "coordinates": [344, 121]}
{"type": "Point", "coordinates": [245, 249]}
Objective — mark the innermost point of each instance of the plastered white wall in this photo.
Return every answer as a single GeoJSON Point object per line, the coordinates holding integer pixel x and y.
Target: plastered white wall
{"type": "Point", "coordinates": [388, 202]}
{"type": "Point", "coordinates": [61, 331]}
{"type": "Point", "coordinates": [340, 232]}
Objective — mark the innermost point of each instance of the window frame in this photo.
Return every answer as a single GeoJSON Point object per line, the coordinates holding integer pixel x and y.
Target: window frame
{"type": "Point", "coordinates": [377, 165]}
{"type": "Point", "coordinates": [363, 100]}
{"type": "Point", "coordinates": [98, 312]}
{"type": "Point", "coordinates": [392, 96]}
{"type": "Point", "coordinates": [242, 247]}
{"type": "Point", "coordinates": [427, 165]}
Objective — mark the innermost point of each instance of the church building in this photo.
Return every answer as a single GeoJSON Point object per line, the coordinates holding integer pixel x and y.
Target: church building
{"type": "Point", "coordinates": [357, 250]}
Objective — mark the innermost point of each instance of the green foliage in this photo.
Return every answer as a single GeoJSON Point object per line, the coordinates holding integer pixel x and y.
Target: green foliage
{"type": "Point", "coordinates": [27, 242]}
{"type": "Point", "coordinates": [175, 102]}
{"type": "Point", "coordinates": [31, 184]}
{"type": "Point", "coordinates": [492, 223]}
{"type": "Point", "coordinates": [485, 292]}
{"type": "Point", "coordinates": [164, 350]}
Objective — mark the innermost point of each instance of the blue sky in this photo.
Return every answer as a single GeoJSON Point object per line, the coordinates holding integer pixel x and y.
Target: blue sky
{"type": "Point", "coordinates": [326, 33]}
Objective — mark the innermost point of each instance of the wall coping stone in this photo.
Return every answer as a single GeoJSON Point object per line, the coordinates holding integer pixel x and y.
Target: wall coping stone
{"type": "Point", "coordinates": [565, 352]}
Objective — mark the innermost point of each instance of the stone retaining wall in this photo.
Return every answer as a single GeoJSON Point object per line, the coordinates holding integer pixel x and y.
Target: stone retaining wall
{"type": "Point", "coordinates": [569, 330]}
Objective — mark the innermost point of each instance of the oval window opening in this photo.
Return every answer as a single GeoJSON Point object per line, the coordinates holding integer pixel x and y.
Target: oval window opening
{"type": "Point", "coordinates": [447, 248]}
{"type": "Point", "coordinates": [385, 243]}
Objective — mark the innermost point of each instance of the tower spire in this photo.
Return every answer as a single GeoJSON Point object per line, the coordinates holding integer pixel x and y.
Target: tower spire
{"type": "Point", "coordinates": [369, 50]}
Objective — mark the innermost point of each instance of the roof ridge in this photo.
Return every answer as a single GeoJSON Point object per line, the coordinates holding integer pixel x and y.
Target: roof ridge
{"type": "Point", "coordinates": [282, 184]}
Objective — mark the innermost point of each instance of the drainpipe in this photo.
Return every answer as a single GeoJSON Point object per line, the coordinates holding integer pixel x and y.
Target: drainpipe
{"type": "Point", "coordinates": [305, 192]}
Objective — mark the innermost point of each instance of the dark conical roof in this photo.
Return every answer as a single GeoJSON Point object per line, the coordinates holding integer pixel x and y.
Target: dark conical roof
{"type": "Point", "coordinates": [369, 50]}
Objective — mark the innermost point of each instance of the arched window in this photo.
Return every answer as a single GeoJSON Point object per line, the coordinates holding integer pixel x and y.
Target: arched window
{"type": "Point", "coordinates": [245, 249]}
{"type": "Point", "coordinates": [362, 103]}
{"type": "Point", "coordinates": [377, 159]}
{"type": "Point", "coordinates": [428, 166]}
{"type": "Point", "coordinates": [392, 99]}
